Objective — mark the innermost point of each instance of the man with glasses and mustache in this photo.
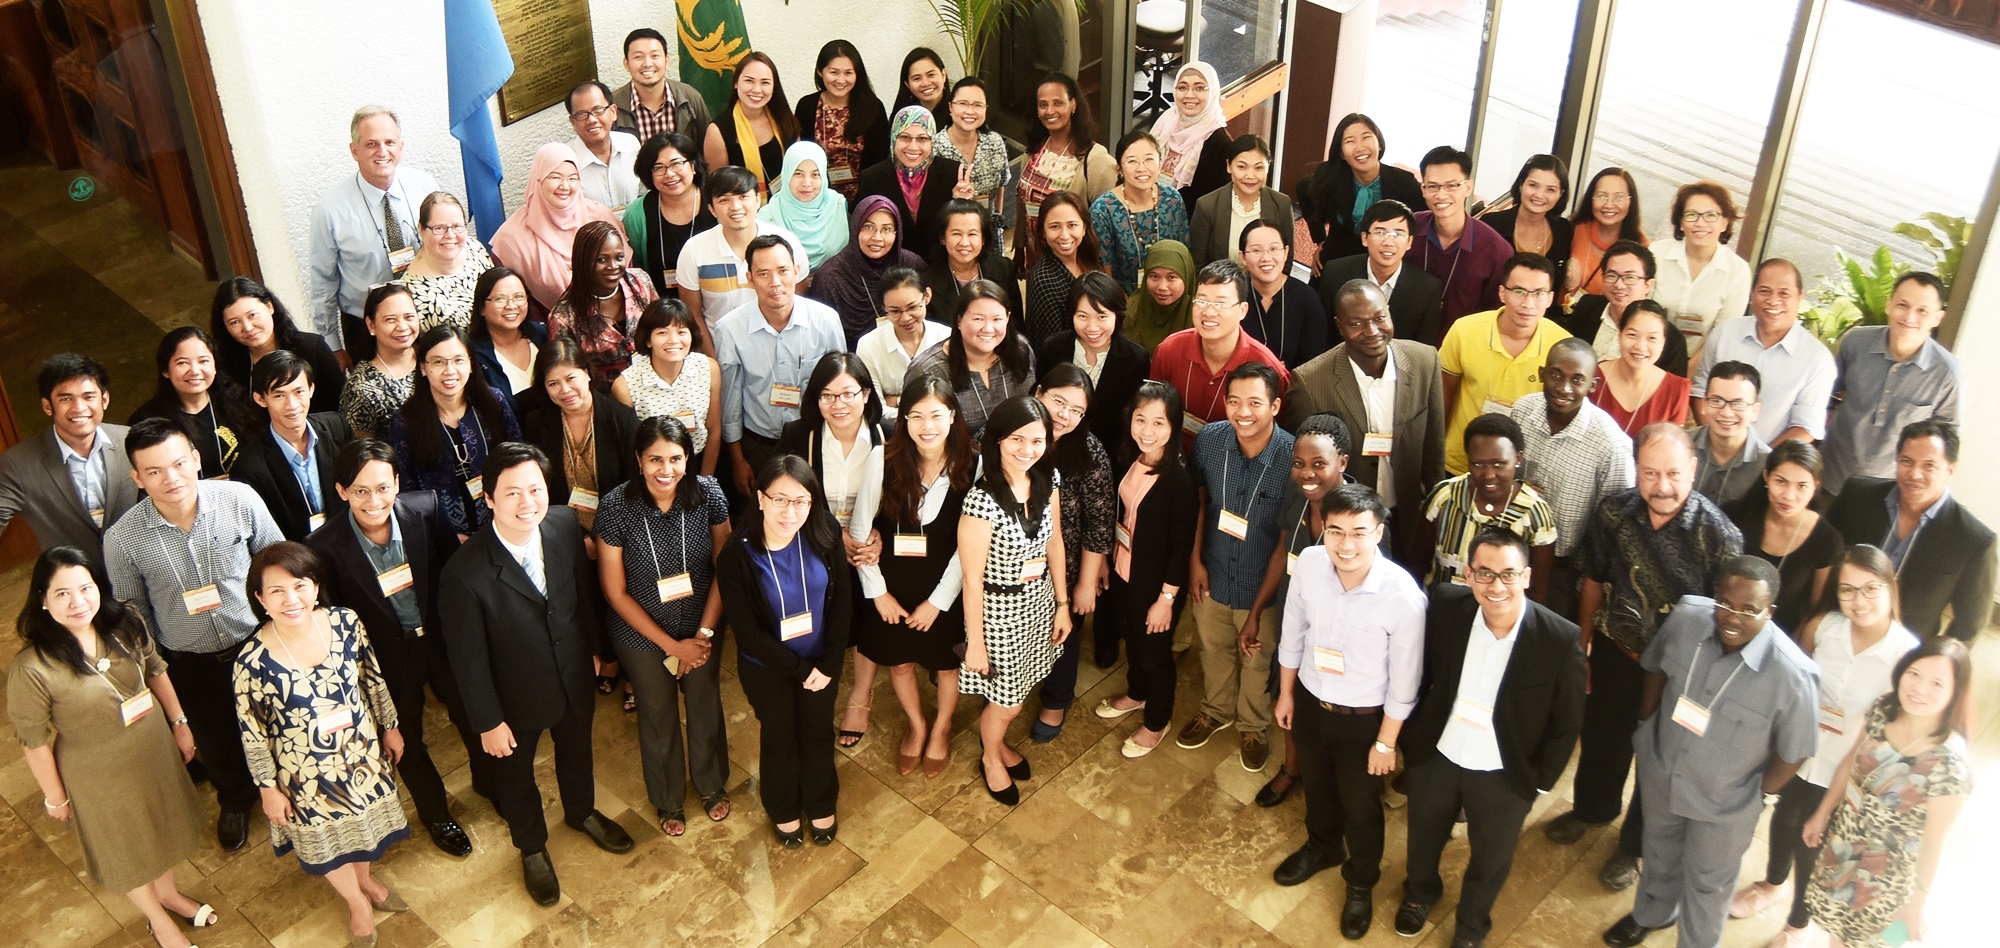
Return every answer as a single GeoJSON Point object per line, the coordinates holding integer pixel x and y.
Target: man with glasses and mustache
{"type": "Point", "coordinates": [1467, 255]}
{"type": "Point", "coordinates": [1491, 359]}
{"type": "Point", "coordinates": [1728, 452]}
{"type": "Point", "coordinates": [1416, 299]}
{"type": "Point", "coordinates": [1644, 549]}
{"type": "Point", "coordinates": [1728, 712]}
{"type": "Point", "coordinates": [604, 155]}
{"type": "Point", "coordinates": [364, 232]}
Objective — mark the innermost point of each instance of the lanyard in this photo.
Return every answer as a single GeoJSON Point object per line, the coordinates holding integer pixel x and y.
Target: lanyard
{"type": "Point", "coordinates": [462, 448]}
{"type": "Point", "coordinates": [646, 524]}
{"type": "Point", "coordinates": [1253, 487]}
{"type": "Point", "coordinates": [1455, 254]}
{"type": "Point", "coordinates": [192, 562]}
{"type": "Point", "coordinates": [280, 639]}
{"type": "Point", "coordinates": [375, 213]}
{"type": "Point", "coordinates": [805, 590]}
{"type": "Point", "coordinates": [1263, 328]}
{"type": "Point", "coordinates": [1304, 514]}
{"type": "Point", "coordinates": [1717, 699]}
{"type": "Point", "coordinates": [103, 664]}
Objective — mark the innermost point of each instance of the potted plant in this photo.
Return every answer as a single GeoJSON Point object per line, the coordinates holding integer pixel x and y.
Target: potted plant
{"type": "Point", "coordinates": [1859, 294]}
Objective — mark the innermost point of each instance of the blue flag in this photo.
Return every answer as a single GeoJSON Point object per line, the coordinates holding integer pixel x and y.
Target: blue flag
{"type": "Point", "coordinates": [476, 63]}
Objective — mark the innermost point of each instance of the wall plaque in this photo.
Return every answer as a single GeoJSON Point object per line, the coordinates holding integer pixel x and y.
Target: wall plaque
{"type": "Point", "coordinates": [553, 51]}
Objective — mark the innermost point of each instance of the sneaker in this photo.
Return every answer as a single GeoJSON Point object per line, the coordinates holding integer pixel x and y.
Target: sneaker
{"type": "Point", "coordinates": [1568, 828]}
{"type": "Point", "coordinates": [1199, 729]}
{"type": "Point", "coordinates": [1619, 872]}
{"type": "Point", "coordinates": [1754, 898]}
{"type": "Point", "coordinates": [1256, 752]}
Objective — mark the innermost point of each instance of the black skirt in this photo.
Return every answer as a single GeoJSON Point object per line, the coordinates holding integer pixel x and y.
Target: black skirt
{"type": "Point", "coordinates": [911, 579]}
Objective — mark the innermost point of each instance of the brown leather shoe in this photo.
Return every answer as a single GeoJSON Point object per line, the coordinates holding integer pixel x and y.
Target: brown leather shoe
{"type": "Point", "coordinates": [1256, 752]}
{"type": "Point", "coordinates": [1199, 729]}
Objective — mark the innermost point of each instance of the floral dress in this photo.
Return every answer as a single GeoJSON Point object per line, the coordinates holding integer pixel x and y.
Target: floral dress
{"type": "Point", "coordinates": [316, 736]}
{"type": "Point", "coordinates": [1868, 862]}
{"type": "Point", "coordinates": [685, 399]}
{"type": "Point", "coordinates": [1126, 234]}
{"type": "Point", "coordinates": [607, 351]}
{"type": "Point", "coordinates": [446, 300]}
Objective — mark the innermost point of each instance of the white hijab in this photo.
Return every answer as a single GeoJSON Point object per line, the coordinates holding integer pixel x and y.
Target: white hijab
{"type": "Point", "coordinates": [1182, 138]}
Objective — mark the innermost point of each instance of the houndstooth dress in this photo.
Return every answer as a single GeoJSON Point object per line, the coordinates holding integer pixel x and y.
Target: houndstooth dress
{"type": "Point", "coordinates": [1018, 618]}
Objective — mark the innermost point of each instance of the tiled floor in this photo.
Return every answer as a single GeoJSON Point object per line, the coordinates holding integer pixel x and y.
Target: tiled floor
{"type": "Point", "coordinates": [1167, 850]}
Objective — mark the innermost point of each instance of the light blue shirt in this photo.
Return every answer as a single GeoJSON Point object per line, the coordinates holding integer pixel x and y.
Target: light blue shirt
{"type": "Point", "coordinates": [349, 246]}
{"type": "Point", "coordinates": [87, 473]}
{"type": "Point", "coordinates": [757, 359]}
{"type": "Point", "coordinates": [1797, 374]}
{"type": "Point", "coordinates": [303, 467]}
{"type": "Point", "coordinates": [1896, 546]}
{"type": "Point", "coordinates": [1360, 647]}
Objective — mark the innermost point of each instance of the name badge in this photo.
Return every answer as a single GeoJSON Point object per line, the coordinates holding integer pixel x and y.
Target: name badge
{"type": "Point", "coordinates": [1192, 423]}
{"type": "Point", "coordinates": [1032, 211]}
{"type": "Point", "coordinates": [785, 396]}
{"type": "Point", "coordinates": [793, 626]}
{"type": "Point", "coordinates": [339, 719]}
{"type": "Point", "coordinates": [399, 260]}
{"type": "Point", "coordinates": [395, 579]}
{"type": "Point", "coordinates": [1123, 536]}
{"type": "Point", "coordinates": [475, 486]}
{"type": "Point", "coordinates": [1377, 444]}
{"type": "Point", "coordinates": [97, 516]}
{"type": "Point", "coordinates": [1493, 406]}
{"type": "Point", "coordinates": [136, 707]}
{"type": "Point", "coordinates": [1329, 660]}
{"type": "Point", "coordinates": [1473, 713]}
{"type": "Point", "coordinates": [1832, 720]}
{"type": "Point", "coordinates": [839, 175]}
{"type": "Point", "coordinates": [1690, 715]}
{"type": "Point", "coordinates": [1232, 524]}
{"type": "Point", "coordinates": [1291, 563]}
{"type": "Point", "coordinates": [315, 521]}
{"type": "Point", "coordinates": [677, 586]}
{"type": "Point", "coordinates": [204, 599]}
{"type": "Point", "coordinates": [1032, 570]}
{"type": "Point", "coordinates": [912, 544]}
{"type": "Point", "coordinates": [686, 418]}
{"type": "Point", "coordinates": [582, 499]}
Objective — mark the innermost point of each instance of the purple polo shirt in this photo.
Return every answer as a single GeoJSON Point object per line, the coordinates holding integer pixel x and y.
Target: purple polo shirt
{"type": "Point", "coordinates": [1469, 270]}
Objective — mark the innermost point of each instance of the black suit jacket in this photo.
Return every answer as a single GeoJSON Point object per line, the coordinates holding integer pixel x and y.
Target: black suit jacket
{"type": "Point", "coordinates": [350, 582]}
{"type": "Point", "coordinates": [614, 425]}
{"type": "Point", "coordinates": [1417, 306]}
{"type": "Point", "coordinates": [1539, 712]}
{"type": "Point", "coordinates": [922, 225]}
{"type": "Point", "coordinates": [520, 657]}
{"type": "Point", "coordinates": [262, 467]}
{"type": "Point", "coordinates": [1950, 563]}
{"type": "Point", "coordinates": [1125, 367]}
{"type": "Point", "coordinates": [1163, 535]}
{"type": "Point", "coordinates": [1338, 242]}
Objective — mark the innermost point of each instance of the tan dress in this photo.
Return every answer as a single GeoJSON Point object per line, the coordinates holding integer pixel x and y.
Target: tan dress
{"type": "Point", "coordinates": [135, 810]}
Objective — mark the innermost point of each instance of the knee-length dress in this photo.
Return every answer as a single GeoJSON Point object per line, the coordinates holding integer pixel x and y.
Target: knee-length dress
{"type": "Point", "coordinates": [1868, 861]}
{"type": "Point", "coordinates": [135, 811]}
{"type": "Point", "coordinates": [1018, 617]}
{"type": "Point", "coordinates": [340, 781]}
{"type": "Point", "coordinates": [914, 579]}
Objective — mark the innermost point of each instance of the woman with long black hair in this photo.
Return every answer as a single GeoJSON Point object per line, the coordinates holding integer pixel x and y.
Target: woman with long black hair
{"type": "Point", "coordinates": [1350, 181]}
{"type": "Point", "coordinates": [587, 430]}
{"type": "Point", "coordinates": [986, 361]}
{"type": "Point", "coordinates": [193, 394]}
{"type": "Point", "coordinates": [1088, 511]}
{"type": "Point", "coordinates": [443, 432]}
{"type": "Point", "coordinates": [248, 323]}
{"type": "Point", "coordinates": [844, 116]}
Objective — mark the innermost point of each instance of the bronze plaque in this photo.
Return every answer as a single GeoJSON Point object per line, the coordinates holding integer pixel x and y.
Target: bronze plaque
{"type": "Point", "coordinates": [553, 51]}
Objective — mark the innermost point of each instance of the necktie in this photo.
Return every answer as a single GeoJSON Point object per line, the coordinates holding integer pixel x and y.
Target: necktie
{"type": "Point", "coordinates": [391, 226]}
{"type": "Point", "coordinates": [533, 564]}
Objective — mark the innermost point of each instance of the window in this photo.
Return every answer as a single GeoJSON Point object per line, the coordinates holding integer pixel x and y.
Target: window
{"type": "Point", "coordinates": [1531, 46]}
{"type": "Point", "coordinates": [1879, 143]}
{"type": "Point", "coordinates": [1238, 37]}
{"type": "Point", "coordinates": [1422, 62]}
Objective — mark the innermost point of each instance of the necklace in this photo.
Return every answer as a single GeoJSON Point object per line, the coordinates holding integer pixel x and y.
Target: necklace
{"type": "Point", "coordinates": [614, 292]}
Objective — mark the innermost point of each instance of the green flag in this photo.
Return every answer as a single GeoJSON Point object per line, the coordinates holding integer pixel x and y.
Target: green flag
{"type": "Point", "coordinates": [713, 41]}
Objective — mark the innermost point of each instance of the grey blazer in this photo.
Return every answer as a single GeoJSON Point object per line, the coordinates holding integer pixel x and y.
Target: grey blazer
{"type": "Point", "coordinates": [1209, 238]}
{"type": "Point", "coordinates": [691, 116]}
{"type": "Point", "coordinates": [34, 483]}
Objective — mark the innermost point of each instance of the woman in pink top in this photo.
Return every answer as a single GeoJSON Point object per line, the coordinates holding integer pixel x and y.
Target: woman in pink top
{"type": "Point", "coordinates": [537, 240]}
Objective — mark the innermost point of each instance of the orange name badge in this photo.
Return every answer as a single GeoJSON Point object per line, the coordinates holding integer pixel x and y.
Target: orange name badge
{"type": "Point", "coordinates": [1690, 715]}
{"type": "Point", "coordinates": [136, 707]}
{"type": "Point", "coordinates": [395, 579]}
{"type": "Point", "coordinates": [475, 486]}
{"type": "Point", "coordinates": [785, 396]}
{"type": "Point", "coordinates": [1329, 660]}
{"type": "Point", "coordinates": [1033, 569]}
{"type": "Point", "coordinates": [582, 499]}
{"type": "Point", "coordinates": [338, 719]}
{"type": "Point", "coordinates": [1233, 524]}
{"type": "Point", "coordinates": [677, 586]}
{"type": "Point", "coordinates": [1832, 720]}
{"type": "Point", "coordinates": [1191, 423]}
{"type": "Point", "coordinates": [202, 600]}
{"type": "Point", "coordinates": [1378, 444]}
{"type": "Point", "coordinates": [1473, 713]}
{"type": "Point", "coordinates": [912, 544]}
{"type": "Point", "coordinates": [1122, 536]}
{"type": "Point", "coordinates": [795, 625]}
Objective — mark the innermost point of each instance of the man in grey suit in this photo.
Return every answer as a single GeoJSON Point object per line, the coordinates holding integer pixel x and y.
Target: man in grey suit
{"type": "Point", "coordinates": [1389, 393]}
{"type": "Point", "coordinates": [1416, 298]}
{"type": "Point", "coordinates": [75, 481]}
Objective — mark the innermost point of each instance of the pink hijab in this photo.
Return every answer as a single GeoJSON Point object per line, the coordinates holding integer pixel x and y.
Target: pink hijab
{"type": "Point", "coordinates": [1180, 137]}
{"type": "Point", "coordinates": [536, 241]}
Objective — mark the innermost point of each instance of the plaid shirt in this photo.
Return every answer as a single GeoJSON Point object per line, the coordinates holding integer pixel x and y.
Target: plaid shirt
{"type": "Point", "coordinates": [1252, 488]}
{"type": "Point", "coordinates": [1648, 570]}
{"type": "Point", "coordinates": [1589, 460]}
{"type": "Point", "coordinates": [651, 122]}
{"type": "Point", "coordinates": [151, 562]}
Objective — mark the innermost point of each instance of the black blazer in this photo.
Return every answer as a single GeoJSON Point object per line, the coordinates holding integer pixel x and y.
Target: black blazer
{"type": "Point", "coordinates": [262, 467]}
{"type": "Point", "coordinates": [1211, 170]}
{"type": "Point", "coordinates": [756, 623]}
{"type": "Point", "coordinates": [1417, 306]}
{"type": "Point", "coordinates": [1561, 233]}
{"type": "Point", "coordinates": [614, 424]}
{"type": "Point", "coordinates": [863, 110]}
{"type": "Point", "coordinates": [922, 225]}
{"type": "Point", "coordinates": [521, 658]}
{"type": "Point", "coordinates": [350, 583]}
{"type": "Point", "coordinates": [1164, 532]}
{"type": "Point", "coordinates": [1583, 319]}
{"type": "Point", "coordinates": [327, 375]}
{"type": "Point", "coordinates": [1950, 563]}
{"type": "Point", "coordinates": [1125, 367]}
{"type": "Point", "coordinates": [1539, 712]}
{"type": "Point", "coordinates": [1337, 242]}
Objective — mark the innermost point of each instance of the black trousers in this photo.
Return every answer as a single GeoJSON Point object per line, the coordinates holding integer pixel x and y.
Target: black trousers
{"type": "Point", "coordinates": [515, 793]}
{"type": "Point", "coordinates": [795, 778]}
{"type": "Point", "coordinates": [1150, 675]}
{"type": "Point", "coordinates": [1610, 714]}
{"type": "Point", "coordinates": [203, 682]}
{"type": "Point", "coordinates": [1796, 803]}
{"type": "Point", "coordinates": [409, 665]}
{"type": "Point", "coordinates": [1343, 800]}
{"type": "Point", "coordinates": [1439, 790]}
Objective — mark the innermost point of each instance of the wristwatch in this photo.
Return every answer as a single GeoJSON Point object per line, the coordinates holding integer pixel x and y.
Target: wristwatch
{"type": "Point", "coordinates": [177, 722]}
{"type": "Point", "coordinates": [706, 633]}
{"type": "Point", "coordinates": [1381, 748]}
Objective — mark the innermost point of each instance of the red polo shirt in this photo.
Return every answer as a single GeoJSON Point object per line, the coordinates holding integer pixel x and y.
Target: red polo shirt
{"type": "Point", "coordinates": [1178, 363]}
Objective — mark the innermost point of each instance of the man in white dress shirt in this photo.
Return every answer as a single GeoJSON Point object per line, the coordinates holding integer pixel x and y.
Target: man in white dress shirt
{"type": "Point", "coordinates": [1795, 370]}
{"type": "Point", "coordinates": [364, 232]}
{"type": "Point", "coordinates": [604, 155]}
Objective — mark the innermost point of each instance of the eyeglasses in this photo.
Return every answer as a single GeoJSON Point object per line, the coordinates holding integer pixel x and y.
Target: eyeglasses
{"type": "Point", "coordinates": [366, 493]}
{"type": "Point", "coordinates": [1433, 187]}
{"type": "Point", "coordinates": [1623, 279]}
{"type": "Point", "coordinates": [458, 362]}
{"type": "Point", "coordinates": [517, 299]}
{"type": "Point", "coordinates": [933, 418]}
{"type": "Point", "coordinates": [1738, 405]}
{"type": "Point", "coordinates": [1388, 234]}
{"type": "Point", "coordinates": [581, 114]}
{"type": "Point", "coordinates": [1518, 294]}
{"type": "Point", "coordinates": [444, 229]}
{"type": "Point", "coordinates": [1510, 577]}
{"type": "Point", "coordinates": [672, 164]}
{"type": "Point", "coordinates": [1707, 217]}
{"type": "Point", "coordinates": [869, 229]}
{"type": "Point", "coordinates": [898, 312]}
{"type": "Point", "coordinates": [560, 178]}
{"type": "Point", "coordinates": [845, 398]}
{"type": "Point", "coordinates": [1870, 591]}
{"type": "Point", "coordinates": [913, 139]}
{"type": "Point", "coordinates": [1603, 198]}
{"type": "Point", "coordinates": [1215, 304]}
{"type": "Point", "coordinates": [793, 503]}
{"type": "Point", "coordinates": [1757, 616]}
{"type": "Point", "coordinates": [1334, 535]}
{"type": "Point", "coordinates": [1061, 407]}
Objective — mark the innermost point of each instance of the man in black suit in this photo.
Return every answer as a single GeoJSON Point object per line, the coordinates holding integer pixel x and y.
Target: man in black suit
{"type": "Point", "coordinates": [289, 462]}
{"type": "Point", "coordinates": [1944, 556]}
{"type": "Point", "coordinates": [386, 554]}
{"type": "Point", "coordinates": [1416, 299]}
{"type": "Point", "coordinates": [524, 638]}
{"type": "Point", "coordinates": [1498, 712]}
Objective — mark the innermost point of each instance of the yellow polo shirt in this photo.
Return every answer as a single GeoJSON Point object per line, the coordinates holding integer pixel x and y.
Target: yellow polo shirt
{"type": "Point", "coordinates": [1489, 378]}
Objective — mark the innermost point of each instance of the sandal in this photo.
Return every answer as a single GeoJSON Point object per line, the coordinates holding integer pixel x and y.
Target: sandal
{"type": "Point", "coordinates": [631, 702]}
{"type": "Point", "coordinates": [203, 916]}
{"type": "Point", "coordinates": [846, 738]}
{"type": "Point", "coordinates": [673, 824]}
{"type": "Point", "coordinates": [716, 801]}
{"type": "Point", "coordinates": [606, 684]}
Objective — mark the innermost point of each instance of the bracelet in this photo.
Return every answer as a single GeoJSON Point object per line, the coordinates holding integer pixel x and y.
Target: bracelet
{"type": "Point", "coordinates": [178, 722]}
{"type": "Point", "coordinates": [57, 806]}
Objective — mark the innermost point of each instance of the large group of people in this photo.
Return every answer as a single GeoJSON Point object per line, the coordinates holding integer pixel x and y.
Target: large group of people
{"type": "Point", "coordinates": [1434, 497]}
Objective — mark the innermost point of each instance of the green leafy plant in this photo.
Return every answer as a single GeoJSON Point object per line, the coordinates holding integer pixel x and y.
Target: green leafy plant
{"type": "Point", "coordinates": [972, 24]}
{"type": "Point", "coordinates": [1944, 236]}
{"type": "Point", "coordinates": [1858, 294]}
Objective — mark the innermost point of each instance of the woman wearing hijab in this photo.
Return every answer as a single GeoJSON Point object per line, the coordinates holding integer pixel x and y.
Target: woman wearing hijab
{"type": "Point", "coordinates": [537, 240]}
{"type": "Point", "coordinates": [848, 281]}
{"type": "Point", "coordinates": [803, 204]}
{"type": "Point", "coordinates": [1193, 135]}
{"type": "Point", "coordinates": [1164, 303]}
{"type": "Point", "coordinates": [913, 179]}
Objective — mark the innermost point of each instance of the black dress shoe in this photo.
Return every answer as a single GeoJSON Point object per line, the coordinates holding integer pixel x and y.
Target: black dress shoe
{"type": "Point", "coordinates": [1009, 795]}
{"type": "Point", "coordinates": [1359, 912]}
{"type": "Point", "coordinates": [1627, 933]}
{"type": "Point", "coordinates": [1411, 917]}
{"type": "Point", "coordinates": [232, 829]}
{"type": "Point", "coordinates": [450, 837]}
{"type": "Point", "coordinates": [1278, 789]}
{"type": "Point", "coordinates": [1461, 940]}
{"type": "Point", "coordinates": [1021, 771]}
{"type": "Point", "coordinates": [606, 833]}
{"type": "Point", "coordinates": [540, 876]}
{"type": "Point", "coordinates": [824, 836]}
{"type": "Point", "coordinates": [1306, 863]}
{"type": "Point", "coordinates": [793, 839]}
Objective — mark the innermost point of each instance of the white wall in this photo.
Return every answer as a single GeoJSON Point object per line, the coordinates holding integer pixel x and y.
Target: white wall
{"type": "Point", "coordinates": [289, 75]}
{"type": "Point", "coordinates": [1978, 350]}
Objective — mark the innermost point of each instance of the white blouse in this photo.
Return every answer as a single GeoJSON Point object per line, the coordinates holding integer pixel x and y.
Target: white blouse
{"type": "Point", "coordinates": [684, 399]}
{"type": "Point", "coordinates": [1848, 687]}
{"type": "Point", "coordinates": [518, 379]}
{"type": "Point", "coordinates": [1722, 291]}
{"type": "Point", "coordinates": [869, 502]}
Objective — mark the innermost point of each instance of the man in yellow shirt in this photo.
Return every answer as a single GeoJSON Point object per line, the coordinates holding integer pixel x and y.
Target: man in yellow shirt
{"type": "Point", "coordinates": [1489, 359]}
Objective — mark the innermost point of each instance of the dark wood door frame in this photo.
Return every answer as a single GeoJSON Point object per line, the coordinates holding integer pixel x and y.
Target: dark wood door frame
{"type": "Point", "coordinates": [218, 158]}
